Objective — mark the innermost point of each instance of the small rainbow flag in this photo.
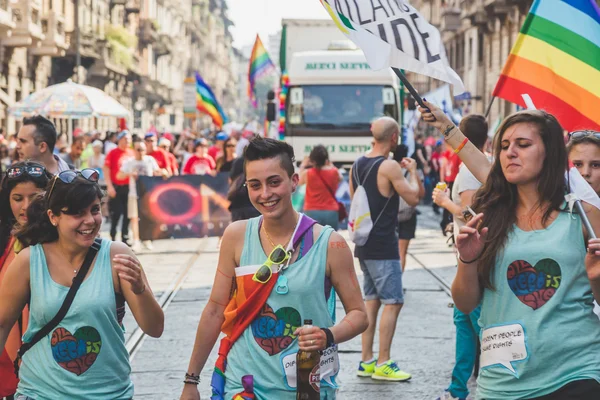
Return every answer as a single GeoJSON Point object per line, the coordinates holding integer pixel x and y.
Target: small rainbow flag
{"type": "Point", "coordinates": [556, 60]}
{"type": "Point", "coordinates": [207, 103]}
{"type": "Point", "coordinates": [260, 65]}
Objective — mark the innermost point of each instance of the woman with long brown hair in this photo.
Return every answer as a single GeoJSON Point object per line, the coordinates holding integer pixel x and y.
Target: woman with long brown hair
{"type": "Point", "coordinates": [525, 258]}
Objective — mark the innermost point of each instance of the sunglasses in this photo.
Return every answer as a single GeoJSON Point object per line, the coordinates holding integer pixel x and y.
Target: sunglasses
{"type": "Point", "coordinates": [34, 171]}
{"type": "Point", "coordinates": [140, 150]}
{"type": "Point", "coordinates": [581, 134]}
{"type": "Point", "coordinates": [230, 146]}
{"type": "Point", "coordinates": [70, 175]}
{"type": "Point", "coordinates": [277, 256]}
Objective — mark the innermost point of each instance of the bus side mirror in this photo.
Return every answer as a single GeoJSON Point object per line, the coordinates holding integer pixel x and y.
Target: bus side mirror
{"type": "Point", "coordinates": [296, 96]}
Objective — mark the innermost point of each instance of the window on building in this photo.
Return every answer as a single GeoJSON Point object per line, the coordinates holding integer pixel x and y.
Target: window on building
{"type": "Point", "coordinates": [172, 119]}
{"type": "Point", "coordinates": [480, 40]}
{"type": "Point", "coordinates": [470, 53]}
{"type": "Point", "coordinates": [490, 51]}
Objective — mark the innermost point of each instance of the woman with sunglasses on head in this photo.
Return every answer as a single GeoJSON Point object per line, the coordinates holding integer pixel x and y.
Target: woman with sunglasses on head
{"type": "Point", "coordinates": [85, 356]}
{"type": "Point", "coordinates": [583, 148]}
{"type": "Point", "coordinates": [529, 262]}
{"type": "Point", "coordinates": [20, 185]}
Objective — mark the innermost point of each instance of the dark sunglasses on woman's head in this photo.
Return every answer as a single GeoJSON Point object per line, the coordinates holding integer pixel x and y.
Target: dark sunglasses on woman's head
{"type": "Point", "coordinates": [33, 170]}
{"type": "Point", "coordinates": [581, 134]}
{"type": "Point", "coordinates": [70, 175]}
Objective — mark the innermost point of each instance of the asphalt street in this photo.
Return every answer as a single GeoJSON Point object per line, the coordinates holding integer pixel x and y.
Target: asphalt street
{"type": "Point", "coordinates": [181, 273]}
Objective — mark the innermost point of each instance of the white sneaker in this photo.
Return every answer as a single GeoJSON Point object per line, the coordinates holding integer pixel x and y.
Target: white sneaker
{"type": "Point", "coordinates": [447, 396]}
{"type": "Point", "coordinates": [148, 244]}
{"type": "Point", "coordinates": [136, 247]}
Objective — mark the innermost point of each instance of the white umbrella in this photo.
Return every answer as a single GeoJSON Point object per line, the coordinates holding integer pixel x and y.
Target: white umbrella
{"type": "Point", "coordinates": [71, 101]}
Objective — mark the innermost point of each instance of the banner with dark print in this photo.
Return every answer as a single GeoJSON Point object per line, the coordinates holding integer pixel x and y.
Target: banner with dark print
{"type": "Point", "coordinates": [188, 206]}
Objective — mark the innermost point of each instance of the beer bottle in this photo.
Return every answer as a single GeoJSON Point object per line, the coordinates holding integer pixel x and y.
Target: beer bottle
{"type": "Point", "coordinates": [308, 372]}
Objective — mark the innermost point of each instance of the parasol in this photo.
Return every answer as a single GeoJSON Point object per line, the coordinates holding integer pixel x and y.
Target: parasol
{"type": "Point", "coordinates": [71, 101]}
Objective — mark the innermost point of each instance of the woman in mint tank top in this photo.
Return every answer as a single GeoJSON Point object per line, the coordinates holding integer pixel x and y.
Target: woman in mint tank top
{"type": "Point", "coordinates": [527, 258]}
{"type": "Point", "coordinates": [84, 357]}
{"type": "Point", "coordinates": [260, 307]}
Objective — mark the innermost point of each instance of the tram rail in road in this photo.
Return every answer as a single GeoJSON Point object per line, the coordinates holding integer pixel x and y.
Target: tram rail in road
{"type": "Point", "coordinates": [137, 337]}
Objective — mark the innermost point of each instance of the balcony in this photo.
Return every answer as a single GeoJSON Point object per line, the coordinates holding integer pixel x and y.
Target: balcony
{"type": "Point", "coordinates": [133, 6]}
{"type": "Point", "coordinates": [450, 19]}
{"type": "Point", "coordinates": [499, 8]}
{"type": "Point", "coordinates": [6, 20]}
{"type": "Point", "coordinates": [28, 28]}
{"type": "Point", "coordinates": [148, 31]}
{"type": "Point", "coordinates": [163, 45]}
{"type": "Point", "coordinates": [55, 43]}
{"type": "Point", "coordinates": [109, 65]}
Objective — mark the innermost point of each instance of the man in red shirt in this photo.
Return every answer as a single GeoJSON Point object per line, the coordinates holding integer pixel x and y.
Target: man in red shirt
{"type": "Point", "coordinates": [448, 171]}
{"type": "Point", "coordinates": [200, 163]}
{"type": "Point", "coordinates": [118, 189]}
{"type": "Point", "coordinates": [161, 156]}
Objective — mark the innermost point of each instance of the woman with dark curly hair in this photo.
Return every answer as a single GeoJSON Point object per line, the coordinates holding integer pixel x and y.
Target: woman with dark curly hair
{"type": "Point", "coordinates": [84, 356]}
{"type": "Point", "coordinates": [322, 180]}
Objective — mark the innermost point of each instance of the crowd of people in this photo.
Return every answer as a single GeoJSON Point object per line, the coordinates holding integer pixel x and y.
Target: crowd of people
{"type": "Point", "coordinates": [528, 270]}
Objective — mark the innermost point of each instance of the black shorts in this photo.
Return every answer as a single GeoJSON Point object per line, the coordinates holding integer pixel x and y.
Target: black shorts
{"type": "Point", "coordinates": [407, 229]}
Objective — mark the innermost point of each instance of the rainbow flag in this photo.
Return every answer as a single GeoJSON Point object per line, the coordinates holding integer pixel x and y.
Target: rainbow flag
{"type": "Point", "coordinates": [556, 61]}
{"type": "Point", "coordinates": [207, 103]}
{"type": "Point", "coordinates": [260, 65]}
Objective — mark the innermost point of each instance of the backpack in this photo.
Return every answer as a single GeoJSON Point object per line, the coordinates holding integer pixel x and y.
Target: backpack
{"type": "Point", "coordinates": [360, 222]}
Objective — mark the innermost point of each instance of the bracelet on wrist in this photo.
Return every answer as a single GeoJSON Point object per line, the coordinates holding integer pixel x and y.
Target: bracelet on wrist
{"type": "Point", "coordinates": [329, 335]}
{"type": "Point", "coordinates": [191, 379]}
{"type": "Point", "coordinates": [142, 292]}
{"type": "Point", "coordinates": [461, 146]}
{"type": "Point", "coordinates": [448, 129]}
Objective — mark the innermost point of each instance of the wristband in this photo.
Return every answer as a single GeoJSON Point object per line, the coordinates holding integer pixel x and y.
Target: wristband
{"type": "Point", "coordinates": [330, 341]}
{"type": "Point", "coordinates": [469, 262]}
{"type": "Point", "coordinates": [462, 145]}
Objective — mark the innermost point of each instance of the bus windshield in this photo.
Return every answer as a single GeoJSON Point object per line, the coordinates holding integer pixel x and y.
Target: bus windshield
{"type": "Point", "coordinates": [343, 106]}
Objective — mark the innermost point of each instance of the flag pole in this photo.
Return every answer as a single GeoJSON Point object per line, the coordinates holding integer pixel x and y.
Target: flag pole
{"type": "Point", "coordinates": [584, 218]}
{"type": "Point", "coordinates": [489, 107]}
{"type": "Point", "coordinates": [410, 87]}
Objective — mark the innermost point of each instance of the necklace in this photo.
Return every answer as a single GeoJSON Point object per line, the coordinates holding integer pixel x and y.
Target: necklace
{"type": "Point", "coordinates": [271, 240]}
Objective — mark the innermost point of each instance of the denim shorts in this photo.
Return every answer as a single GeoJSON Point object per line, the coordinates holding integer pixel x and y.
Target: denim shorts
{"type": "Point", "coordinates": [382, 280]}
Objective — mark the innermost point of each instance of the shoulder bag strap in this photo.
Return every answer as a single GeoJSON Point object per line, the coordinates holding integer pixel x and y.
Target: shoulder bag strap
{"type": "Point", "coordinates": [318, 173]}
{"type": "Point", "coordinates": [53, 323]}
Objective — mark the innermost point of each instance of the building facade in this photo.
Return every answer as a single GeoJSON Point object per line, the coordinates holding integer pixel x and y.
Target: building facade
{"type": "Point", "coordinates": [478, 37]}
{"type": "Point", "coordinates": [137, 51]}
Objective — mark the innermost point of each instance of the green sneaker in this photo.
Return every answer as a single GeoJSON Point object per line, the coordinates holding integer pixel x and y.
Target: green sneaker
{"type": "Point", "coordinates": [390, 372]}
{"type": "Point", "coordinates": [366, 369]}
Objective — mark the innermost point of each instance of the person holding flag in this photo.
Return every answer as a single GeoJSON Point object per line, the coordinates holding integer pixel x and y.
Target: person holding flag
{"type": "Point", "coordinates": [529, 262]}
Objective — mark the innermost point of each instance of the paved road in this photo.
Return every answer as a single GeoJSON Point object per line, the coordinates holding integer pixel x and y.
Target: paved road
{"type": "Point", "coordinates": [423, 343]}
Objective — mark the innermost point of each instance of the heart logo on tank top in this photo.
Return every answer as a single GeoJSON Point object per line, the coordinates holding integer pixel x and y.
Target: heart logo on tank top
{"type": "Point", "coordinates": [274, 331]}
{"type": "Point", "coordinates": [534, 286]}
{"type": "Point", "coordinates": [76, 352]}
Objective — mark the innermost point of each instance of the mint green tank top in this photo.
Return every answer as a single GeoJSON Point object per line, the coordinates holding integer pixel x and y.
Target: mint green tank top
{"type": "Point", "coordinates": [538, 328]}
{"type": "Point", "coordinates": [267, 349]}
{"type": "Point", "coordinates": [85, 356]}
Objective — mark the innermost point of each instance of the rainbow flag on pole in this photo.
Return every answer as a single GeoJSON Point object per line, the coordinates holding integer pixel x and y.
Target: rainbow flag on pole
{"type": "Point", "coordinates": [556, 61]}
{"type": "Point", "coordinates": [260, 65]}
{"type": "Point", "coordinates": [207, 103]}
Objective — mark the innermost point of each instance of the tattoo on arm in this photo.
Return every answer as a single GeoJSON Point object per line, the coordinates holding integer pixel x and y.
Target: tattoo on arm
{"type": "Point", "coordinates": [338, 245]}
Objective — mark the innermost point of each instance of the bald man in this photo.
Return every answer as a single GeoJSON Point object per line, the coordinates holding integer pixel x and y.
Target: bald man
{"type": "Point", "coordinates": [379, 258]}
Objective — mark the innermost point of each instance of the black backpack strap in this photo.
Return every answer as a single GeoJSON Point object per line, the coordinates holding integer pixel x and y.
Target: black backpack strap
{"type": "Point", "coordinates": [53, 323]}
